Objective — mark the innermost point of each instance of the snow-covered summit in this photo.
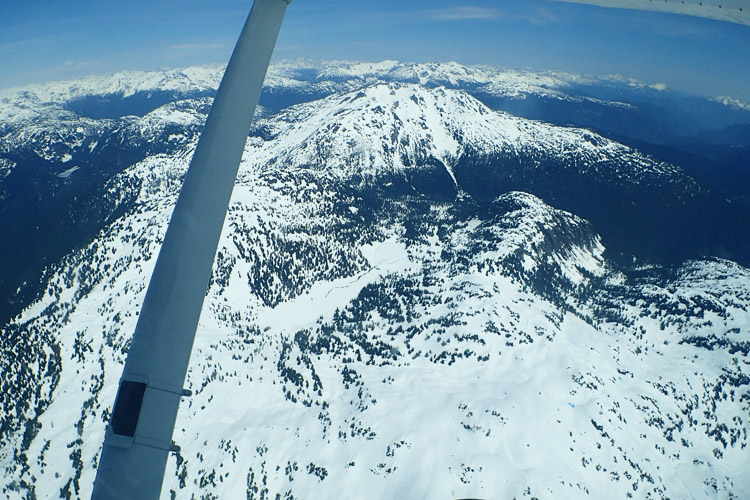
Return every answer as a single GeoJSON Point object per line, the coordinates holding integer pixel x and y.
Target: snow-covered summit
{"type": "Point", "coordinates": [293, 73]}
{"type": "Point", "coordinates": [394, 127]}
{"type": "Point", "coordinates": [123, 84]}
{"type": "Point", "coordinates": [452, 74]}
{"type": "Point", "coordinates": [312, 77]}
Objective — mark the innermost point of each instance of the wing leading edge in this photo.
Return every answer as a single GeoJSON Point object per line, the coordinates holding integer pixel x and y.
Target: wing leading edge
{"type": "Point", "coordinates": [733, 11]}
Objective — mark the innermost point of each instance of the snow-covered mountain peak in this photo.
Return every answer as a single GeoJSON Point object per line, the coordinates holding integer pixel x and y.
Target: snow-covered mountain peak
{"type": "Point", "coordinates": [436, 118]}
{"type": "Point", "coordinates": [325, 76]}
{"type": "Point", "coordinates": [387, 126]}
{"type": "Point", "coordinates": [393, 127]}
{"type": "Point", "coordinates": [732, 102]}
{"type": "Point", "coordinates": [524, 231]}
{"type": "Point", "coordinates": [383, 127]}
{"type": "Point", "coordinates": [433, 74]}
{"type": "Point", "coordinates": [124, 84]}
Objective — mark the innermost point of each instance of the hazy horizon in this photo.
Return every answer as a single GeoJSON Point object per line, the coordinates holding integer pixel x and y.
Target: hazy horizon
{"type": "Point", "coordinates": [42, 41]}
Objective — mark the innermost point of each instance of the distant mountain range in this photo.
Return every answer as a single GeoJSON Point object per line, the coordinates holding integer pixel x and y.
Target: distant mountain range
{"type": "Point", "coordinates": [434, 280]}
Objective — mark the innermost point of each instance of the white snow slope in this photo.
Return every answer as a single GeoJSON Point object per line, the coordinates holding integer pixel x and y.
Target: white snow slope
{"type": "Point", "coordinates": [373, 346]}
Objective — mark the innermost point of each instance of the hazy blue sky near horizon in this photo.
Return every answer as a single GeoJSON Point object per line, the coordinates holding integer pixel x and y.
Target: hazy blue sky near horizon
{"type": "Point", "coordinates": [43, 40]}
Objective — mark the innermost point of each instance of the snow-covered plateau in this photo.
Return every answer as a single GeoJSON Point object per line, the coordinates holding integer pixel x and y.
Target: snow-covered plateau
{"type": "Point", "coordinates": [415, 296]}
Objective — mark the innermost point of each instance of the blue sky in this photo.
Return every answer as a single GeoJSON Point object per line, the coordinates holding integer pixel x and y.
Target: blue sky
{"type": "Point", "coordinates": [42, 40]}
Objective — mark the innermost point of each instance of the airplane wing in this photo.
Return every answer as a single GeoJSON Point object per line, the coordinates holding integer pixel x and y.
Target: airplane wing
{"type": "Point", "coordinates": [139, 437]}
{"type": "Point", "coordinates": [733, 11]}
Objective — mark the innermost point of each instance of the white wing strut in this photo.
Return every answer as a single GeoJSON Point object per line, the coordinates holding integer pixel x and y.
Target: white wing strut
{"type": "Point", "coordinates": [733, 11]}
{"type": "Point", "coordinates": [139, 436]}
